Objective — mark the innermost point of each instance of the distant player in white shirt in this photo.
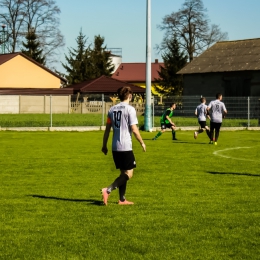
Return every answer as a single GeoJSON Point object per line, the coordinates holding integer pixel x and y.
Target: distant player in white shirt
{"type": "Point", "coordinates": [217, 111]}
{"type": "Point", "coordinates": [122, 118]}
{"type": "Point", "coordinates": [201, 113]}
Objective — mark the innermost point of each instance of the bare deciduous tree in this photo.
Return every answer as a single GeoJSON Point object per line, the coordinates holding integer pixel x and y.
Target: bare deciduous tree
{"type": "Point", "coordinates": [41, 15]}
{"type": "Point", "coordinates": [191, 26]}
{"type": "Point", "coordinates": [12, 16]}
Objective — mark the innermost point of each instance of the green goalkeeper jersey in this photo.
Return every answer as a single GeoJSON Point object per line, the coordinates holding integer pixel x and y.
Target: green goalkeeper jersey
{"type": "Point", "coordinates": [168, 113]}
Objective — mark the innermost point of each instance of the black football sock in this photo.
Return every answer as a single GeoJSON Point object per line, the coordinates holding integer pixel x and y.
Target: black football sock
{"type": "Point", "coordinates": [173, 134]}
{"type": "Point", "coordinates": [158, 134]}
{"type": "Point", "coordinates": [211, 135]}
{"type": "Point", "coordinates": [208, 133]}
{"type": "Point", "coordinates": [122, 190]}
{"type": "Point", "coordinates": [122, 179]}
{"type": "Point", "coordinates": [216, 136]}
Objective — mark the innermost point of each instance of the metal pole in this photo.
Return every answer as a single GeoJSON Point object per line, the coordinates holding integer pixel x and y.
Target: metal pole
{"type": "Point", "coordinates": [147, 119]}
{"type": "Point", "coordinates": [248, 111]}
{"type": "Point", "coordinates": [51, 110]}
{"type": "Point", "coordinates": [103, 110]}
{"type": "Point", "coordinates": [152, 111]}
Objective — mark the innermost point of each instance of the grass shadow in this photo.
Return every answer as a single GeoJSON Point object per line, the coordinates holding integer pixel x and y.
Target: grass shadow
{"type": "Point", "coordinates": [236, 173]}
{"type": "Point", "coordinates": [89, 201]}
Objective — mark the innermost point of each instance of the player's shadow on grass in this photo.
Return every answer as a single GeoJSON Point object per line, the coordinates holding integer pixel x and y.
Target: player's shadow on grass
{"type": "Point", "coordinates": [236, 173]}
{"type": "Point", "coordinates": [89, 201]}
{"type": "Point", "coordinates": [196, 142]}
{"type": "Point", "coordinates": [177, 141]}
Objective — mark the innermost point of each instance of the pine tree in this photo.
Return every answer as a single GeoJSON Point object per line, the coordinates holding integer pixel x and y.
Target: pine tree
{"type": "Point", "coordinates": [85, 63]}
{"type": "Point", "coordinates": [78, 67]}
{"type": "Point", "coordinates": [32, 49]}
{"type": "Point", "coordinates": [102, 64]}
{"type": "Point", "coordinates": [169, 82]}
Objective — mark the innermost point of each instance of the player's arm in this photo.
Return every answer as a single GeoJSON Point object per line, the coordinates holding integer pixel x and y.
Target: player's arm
{"type": "Point", "coordinates": [224, 113]}
{"type": "Point", "coordinates": [169, 119]}
{"type": "Point", "coordinates": [138, 137]}
{"type": "Point", "coordinates": [106, 136]}
{"type": "Point", "coordinates": [207, 113]}
{"type": "Point", "coordinates": [196, 113]}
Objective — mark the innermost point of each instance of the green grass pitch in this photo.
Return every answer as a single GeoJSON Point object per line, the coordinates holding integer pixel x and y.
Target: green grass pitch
{"type": "Point", "coordinates": [192, 200]}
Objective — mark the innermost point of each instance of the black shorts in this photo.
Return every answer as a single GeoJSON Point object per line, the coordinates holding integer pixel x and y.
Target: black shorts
{"type": "Point", "coordinates": [215, 126]}
{"type": "Point", "coordinates": [164, 126]}
{"type": "Point", "coordinates": [202, 124]}
{"type": "Point", "coordinates": [124, 160]}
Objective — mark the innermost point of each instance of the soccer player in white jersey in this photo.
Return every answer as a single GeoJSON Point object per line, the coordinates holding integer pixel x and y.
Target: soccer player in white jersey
{"type": "Point", "coordinates": [217, 111]}
{"type": "Point", "coordinates": [122, 118]}
{"type": "Point", "coordinates": [201, 113]}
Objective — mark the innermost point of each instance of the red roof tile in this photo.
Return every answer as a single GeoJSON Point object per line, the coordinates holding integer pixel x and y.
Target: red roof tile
{"type": "Point", "coordinates": [104, 85]}
{"type": "Point", "coordinates": [136, 72]}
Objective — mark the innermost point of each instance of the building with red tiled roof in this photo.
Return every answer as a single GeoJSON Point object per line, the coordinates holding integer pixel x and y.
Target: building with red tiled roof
{"type": "Point", "coordinates": [103, 85]}
{"type": "Point", "coordinates": [135, 73]}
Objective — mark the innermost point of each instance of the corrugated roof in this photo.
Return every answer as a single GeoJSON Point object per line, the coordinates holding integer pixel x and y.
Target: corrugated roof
{"type": "Point", "coordinates": [8, 56]}
{"type": "Point", "coordinates": [136, 72]}
{"type": "Point", "coordinates": [104, 85]}
{"type": "Point", "coordinates": [227, 56]}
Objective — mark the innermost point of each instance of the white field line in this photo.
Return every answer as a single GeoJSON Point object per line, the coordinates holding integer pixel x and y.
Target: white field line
{"type": "Point", "coordinates": [219, 153]}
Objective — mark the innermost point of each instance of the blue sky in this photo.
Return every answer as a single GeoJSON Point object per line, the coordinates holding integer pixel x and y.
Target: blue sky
{"type": "Point", "coordinates": [123, 22]}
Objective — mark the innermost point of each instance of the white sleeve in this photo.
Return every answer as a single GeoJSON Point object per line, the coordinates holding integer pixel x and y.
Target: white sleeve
{"type": "Point", "coordinates": [132, 116]}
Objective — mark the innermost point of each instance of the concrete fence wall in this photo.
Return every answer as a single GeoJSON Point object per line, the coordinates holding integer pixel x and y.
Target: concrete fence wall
{"type": "Point", "coordinates": [9, 104]}
{"type": "Point", "coordinates": [22, 104]}
{"type": "Point", "coordinates": [42, 104]}
{"type": "Point", "coordinates": [96, 107]}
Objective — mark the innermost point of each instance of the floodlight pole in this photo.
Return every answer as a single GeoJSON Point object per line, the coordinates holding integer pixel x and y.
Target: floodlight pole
{"type": "Point", "coordinates": [147, 119]}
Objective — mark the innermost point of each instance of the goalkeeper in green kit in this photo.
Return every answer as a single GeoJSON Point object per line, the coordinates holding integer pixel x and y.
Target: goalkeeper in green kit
{"type": "Point", "coordinates": [166, 122]}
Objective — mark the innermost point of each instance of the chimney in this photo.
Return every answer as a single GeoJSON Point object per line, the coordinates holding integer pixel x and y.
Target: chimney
{"type": "Point", "coordinates": [156, 60]}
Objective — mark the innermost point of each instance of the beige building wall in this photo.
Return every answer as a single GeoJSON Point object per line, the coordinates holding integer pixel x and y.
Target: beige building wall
{"type": "Point", "coordinates": [19, 72]}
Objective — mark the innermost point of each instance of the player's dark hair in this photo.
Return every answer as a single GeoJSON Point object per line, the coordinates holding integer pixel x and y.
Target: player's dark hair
{"type": "Point", "coordinates": [172, 104]}
{"type": "Point", "coordinates": [202, 99]}
{"type": "Point", "coordinates": [218, 95]}
{"type": "Point", "coordinates": [124, 92]}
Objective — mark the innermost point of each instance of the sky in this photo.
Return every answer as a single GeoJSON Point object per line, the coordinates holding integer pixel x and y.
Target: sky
{"type": "Point", "coordinates": [123, 22]}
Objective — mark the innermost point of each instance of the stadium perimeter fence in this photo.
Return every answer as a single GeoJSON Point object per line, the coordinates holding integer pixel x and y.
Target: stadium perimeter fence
{"type": "Point", "coordinates": [246, 108]}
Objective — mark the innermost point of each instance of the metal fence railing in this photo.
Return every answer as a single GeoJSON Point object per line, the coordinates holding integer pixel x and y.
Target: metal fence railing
{"type": "Point", "coordinates": [238, 107]}
{"type": "Point", "coordinates": [97, 106]}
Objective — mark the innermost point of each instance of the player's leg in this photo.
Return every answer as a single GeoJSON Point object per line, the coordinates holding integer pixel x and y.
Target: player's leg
{"type": "Point", "coordinates": [122, 189]}
{"type": "Point", "coordinates": [173, 131]}
{"type": "Point", "coordinates": [211, 133]}
{"type": "Point", "coordinates": [207, 131]}
{"type": "Point", "coordinates": [163, 128]}
{"type": "Point", "coordinates": [122, 179]}
{"type": "Point", "coordinates": [218, 125]}
{"type": "Point", "coordinates": [125, 161]}
{"type": "Point", "coordinates": [119, 181]}
{"type": "Point", "coordinates": [201, 129]}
